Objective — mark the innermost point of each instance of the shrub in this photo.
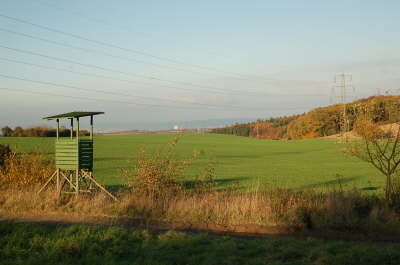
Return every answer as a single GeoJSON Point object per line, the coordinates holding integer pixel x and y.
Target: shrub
{"type": "Point", "coordinates": [25, 169]}
{"type": "Point", "coordinates": [159, 174]}
{"type": "Point", "coordinates": [5, 151]}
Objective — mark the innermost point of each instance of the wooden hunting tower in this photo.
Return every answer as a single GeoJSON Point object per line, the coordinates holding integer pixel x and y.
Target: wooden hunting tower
{"type": "Point", "coordinates": [74, 157]}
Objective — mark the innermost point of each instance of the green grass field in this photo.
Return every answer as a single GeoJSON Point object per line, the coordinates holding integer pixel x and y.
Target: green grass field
{"type": "Point", "coordinates": [247, 161]}
{"type": "Point", "coordinates": [30, 244]}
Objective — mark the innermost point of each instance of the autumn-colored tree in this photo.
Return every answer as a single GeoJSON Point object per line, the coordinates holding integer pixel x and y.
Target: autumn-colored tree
{"type": "Point", "coordinates": [319, 122]}
{"type": "Point", "coordinates": [274, 128]}
{"type": "Point", "coordinates": [18, 131]}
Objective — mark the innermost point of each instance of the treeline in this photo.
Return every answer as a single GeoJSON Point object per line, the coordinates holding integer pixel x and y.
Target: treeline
{"type": "Point", "coordinates": [38, 131]}
{"type": "Point", "coordinates": [319, 122]}
{"type": "Point", "coordinates": [273, 128]}
{"type": "Point", "coordinates": [326, 121]}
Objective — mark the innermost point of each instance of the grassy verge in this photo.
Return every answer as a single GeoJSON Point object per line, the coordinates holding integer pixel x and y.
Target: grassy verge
{"type": "Point", "coordinates": [343, 215]}
{"type": "Point", "coordinates": [81, 244]}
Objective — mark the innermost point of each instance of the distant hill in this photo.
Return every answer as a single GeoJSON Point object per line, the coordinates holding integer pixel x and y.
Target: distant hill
{"type": "Point", "coordinates": [169, 125]}
{"type": "Point", "coordinates": [319, 122]}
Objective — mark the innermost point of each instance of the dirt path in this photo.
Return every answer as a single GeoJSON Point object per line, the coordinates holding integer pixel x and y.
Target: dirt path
{"type": "Point", "coordinates": [244, 231]}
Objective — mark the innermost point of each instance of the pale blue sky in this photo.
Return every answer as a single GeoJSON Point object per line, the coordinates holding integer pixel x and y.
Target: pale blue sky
{"type": "Point", "coordinates": [285, 54]}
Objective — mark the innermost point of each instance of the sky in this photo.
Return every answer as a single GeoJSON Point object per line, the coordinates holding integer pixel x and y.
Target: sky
{"type": "Point", "coordinates": [149, 64]}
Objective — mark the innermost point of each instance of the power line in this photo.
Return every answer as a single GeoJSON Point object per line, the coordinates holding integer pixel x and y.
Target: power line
{"type": "Point", "coordinates": [110, 45]}
{"type": "Point", "coordinates": [99, 52]}
{"type": "Point", "coordinates": [214, 90]}
{"type": "Point", "coordinates": [111, 93]}
{"type": "Point", "coordinates": [115, 71]}
{"type": "Point", "coordinates": [92, 74]}
{"type": "Point", "coordinates": [114, 101]}
{"type": "Point", "coordinates": [74, 97]}
{"type": "Point", "coordinates": [119, 47]}
{"type": "Point", "coordinates": [91, 18]}
{"type": "Point", "coordinates": [92, 99]}
{"type": "Point", "coordinates": [108, 23]}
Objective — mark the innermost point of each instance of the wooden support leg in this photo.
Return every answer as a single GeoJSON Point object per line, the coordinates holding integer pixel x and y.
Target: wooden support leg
{"type": "Point", "coordinates": [87, 175]}
{"type": "Point", "coordinates": [77, 182]}
{"type": "Point", "coordinates": [58, 182]}
{"type": "Point", "coordinates": [47, 182]}
{"type": "Point", "coordinates": [90, 182]}
{"type": "Point", "coordinates": [62, 183]}
{"type": "Point", "coordinates": [68, 178]}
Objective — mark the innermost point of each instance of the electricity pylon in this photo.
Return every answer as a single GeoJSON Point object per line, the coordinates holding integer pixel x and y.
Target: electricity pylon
{"type": "Point", "coordinates": [387, 91]}
{"type": "Point", "coordinates": [342, 82]}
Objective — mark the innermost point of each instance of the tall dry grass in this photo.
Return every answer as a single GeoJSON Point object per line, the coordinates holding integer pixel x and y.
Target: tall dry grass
{"type": "Point", "coordinates": [282, 209]}
{"type": "Point", "coordinates": [286, 209]}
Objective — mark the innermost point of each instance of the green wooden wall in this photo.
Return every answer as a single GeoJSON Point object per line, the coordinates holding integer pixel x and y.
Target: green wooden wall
{"type": "Point", "coordinates": [71, 154]}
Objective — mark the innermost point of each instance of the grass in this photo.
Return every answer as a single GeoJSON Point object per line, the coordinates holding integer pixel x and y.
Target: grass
{"type": "Point", "coordinates": [334, 214]}
{"type": "Point", "coordinates": [28, 244]}
{"type": "Point", "coordinates": [313, 163]}
{"type": "Point", "coordinates": [151, 202]}
{"type": "Point", "coordinates": [156, 197]}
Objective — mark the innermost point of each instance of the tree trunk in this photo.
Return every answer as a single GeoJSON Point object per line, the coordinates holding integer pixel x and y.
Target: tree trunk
{"type": "Point", "coordinates": [388, 191]}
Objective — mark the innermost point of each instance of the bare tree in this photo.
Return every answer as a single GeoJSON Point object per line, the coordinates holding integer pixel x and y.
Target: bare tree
{"type": "Point", "coordinates": [380, 146]}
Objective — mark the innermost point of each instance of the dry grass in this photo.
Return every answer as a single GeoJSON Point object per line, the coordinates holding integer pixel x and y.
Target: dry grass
{"type": "Point", "coordinates": [289, 210]}
{"type": "Point", "coordinates": [253, 211]}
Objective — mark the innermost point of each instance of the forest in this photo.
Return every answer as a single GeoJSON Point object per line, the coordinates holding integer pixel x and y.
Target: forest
{"type": "Point", "coordinates": [318, 122]}
{"type": "Point", "coordinates": [37, 131]}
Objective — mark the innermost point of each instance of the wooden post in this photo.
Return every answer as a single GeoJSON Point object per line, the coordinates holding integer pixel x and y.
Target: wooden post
{"type": "Point", "coordinates": [77, 129]}
{"type": "Point", "coordinates": [71, 180]}
{"type": "Point", "coordinates": [91, 138]}
{"type": "Point", "coordinates": [91, 127]}
{"type": "Point", "coordinates": [58, 170]}
{"type": "Point", "coordinates": [77, 169]}
{"type": "Point", "coordinates": [77, 181]}
{"type": "Point", "coordinates": [58, 182]}
{"type": "Point", "coordinates": [72, 128]}
{"type": "Point", "coordinates": [58, 128]}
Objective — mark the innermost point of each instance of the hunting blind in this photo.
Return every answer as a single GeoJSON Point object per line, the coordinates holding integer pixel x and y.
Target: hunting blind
{"type": "Point", "coordinates": [74, 157]}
